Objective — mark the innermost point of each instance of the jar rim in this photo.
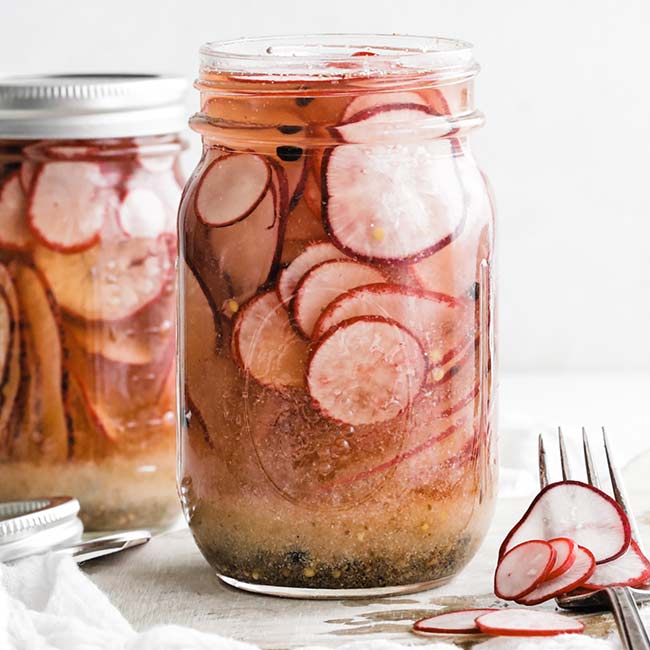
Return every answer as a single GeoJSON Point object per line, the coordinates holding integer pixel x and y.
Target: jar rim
{"type": "Point", "coordinates": [334, 56]}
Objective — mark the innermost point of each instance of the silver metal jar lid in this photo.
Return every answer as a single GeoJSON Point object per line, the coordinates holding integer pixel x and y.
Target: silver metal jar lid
{"type": "Point", "coordinates": [37, 525]}
{"type": "Point", "coordinates": [91, 106]}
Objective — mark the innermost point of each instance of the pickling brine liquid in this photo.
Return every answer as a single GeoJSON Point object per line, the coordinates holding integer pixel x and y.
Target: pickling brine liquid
{"type": "Point", "coordinates": [336, 357]}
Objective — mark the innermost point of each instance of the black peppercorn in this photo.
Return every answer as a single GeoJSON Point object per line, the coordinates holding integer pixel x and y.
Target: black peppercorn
{"type": "Point", "coordinates": [288, 153]}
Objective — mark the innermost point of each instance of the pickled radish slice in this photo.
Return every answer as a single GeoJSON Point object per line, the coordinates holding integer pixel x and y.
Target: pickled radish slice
{"type": "Point", "coordinates": [14, 233]}
{"type": "Point", "coordinates": [462, 621]}
{"type": "Point", "coordinates": [629, 570]}
{"type": "Point", "coordinates": [312, 256]}
{"type": "Point", "coordinates": [245, 253]}
{"type": "Point", "coordinates": [575, 576]}
{"type": "Point", "coordinates": [527, 622]}
{"type": "Point", "coordinates": [433, 318]}
{"type": "Point", "coordinates": [142, 213]}
{"type": "Point", "coordinates": [6, 325]}
{"type": "Point", "coordinates": [27, 174]}
{"type": "Point", "coordinates": [10, 370]}
{"type": "Point", "coordinates": [366, 370]}
{"type": "Point", "coordinates": [296, 175]}
{"type": "Point", "coordinates": [377, 124]}
{"type": "Point", "coordinates": [40, 312]}
{"type": "Point", "coordinates": [266, 345]}
{"type": "Point", "coordinates": [373, 100]}
{"type": "Point", "coordinates": [325, 282]}
{"type": "Point", "coordinates": [231, 188]}
{"type": "Point", "coordinates": [578, 511]}
{"type": "Point", "coordinates": [565, 556]}
{"type": "Point", "coordinates": [67, 205]}
{"type": "Point", "coordinates": [110, 282]}
{"type": "Point", "coordinates": [396, 203]}
{"type": "Point", "coordinates": [523, 568]}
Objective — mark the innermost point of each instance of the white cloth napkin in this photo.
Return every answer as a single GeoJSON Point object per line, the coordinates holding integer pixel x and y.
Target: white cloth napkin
{"type": "Point", "coordinates": [47, 603]}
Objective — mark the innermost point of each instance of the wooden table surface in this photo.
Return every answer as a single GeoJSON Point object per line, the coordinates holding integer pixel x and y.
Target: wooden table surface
{"type": "Point", "coordinates": [168, 581]}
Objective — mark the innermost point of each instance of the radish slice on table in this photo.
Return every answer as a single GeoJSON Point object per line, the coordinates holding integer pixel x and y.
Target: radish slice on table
{"type": "Point", "coordinates": [565, 556]}
{"type": "Point", "coordinates": [580, 571]}
{"type": "Point", "coordinates": [68, 205]}
{"type": "Point", "coordinates": [266, 345]}
{"type": "Point", "coordinates": [14, 233]}
{"type": "Point", "coordinates": [629, 570]}
{"type": "Point", "coordinates": [313, 255]}
{"type": "Point", "coordinates": [523, 568]}
{"type": "Point", "coordinates": [108, 282]}
{"type": "Point", "coordinates": [527, 622]}
{"type": "Point", "coordinates": [231, 188]}
{"type": "Point", "coordinates": [366, 370]}
{"type": "Point", "coordinates": [578, 511]}
{"type": "Point", "coordinates": [324, 283]}
{"type": "Point", "coordinates": [462, 621]}
{"type": "Point", "coordinates": [433, 318]}
{"type": "Point", "coordinates": [397, 203]}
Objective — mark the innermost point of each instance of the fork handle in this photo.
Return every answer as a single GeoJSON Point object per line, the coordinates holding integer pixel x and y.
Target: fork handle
{"type": "Point", "coordinates": [628, 620]}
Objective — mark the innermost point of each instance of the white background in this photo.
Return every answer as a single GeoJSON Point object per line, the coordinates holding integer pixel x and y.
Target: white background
{"type": "Point", "coordinates": [565, 90]}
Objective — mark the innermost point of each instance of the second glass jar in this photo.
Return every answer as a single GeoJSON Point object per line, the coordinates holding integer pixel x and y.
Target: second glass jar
{"type": "Point", "coordinates": [336, 352]}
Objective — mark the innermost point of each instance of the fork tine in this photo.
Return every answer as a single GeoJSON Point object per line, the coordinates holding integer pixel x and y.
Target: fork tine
{"type": "Point", "coordinates": [592, 476]}
{"type": "Point", "coordinates": [619, 490]}
{"type": "Point", "coordinates": [541, 459]}
{"type": "Point", "coordinates": [564, 458]}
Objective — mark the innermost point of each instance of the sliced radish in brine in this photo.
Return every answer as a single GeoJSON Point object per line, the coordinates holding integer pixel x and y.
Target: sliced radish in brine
{"type": "Point", "coordinates": [28, 170]}
{"type": "Point", "coordinates": [433, 318]}
{"type": "Point", "coordinates": [68, 205]}
{"type": "Point", "coordinates": [14, 233]}
{"type": "Point", "coordinates": [366, 370]}
{"type": "Point", "coordinates": [324, 283]}
{"type": "Point", "coordinates": [523, 568]}
{"type": "Point", "coordinates": [575, 576]}
{"type": "Point", "coordinates": [462, 621]}
{"type": "Point", "coordinates": [231, 188]}
{"type": "Point", "coordinates": [629, 570]}
{"type": "Point", "coordinates": [565, 556]}
{"type": "Point", "coordinates": [10, 379]}
{"type": "Point", "coordinates": [578, 511]}
{"type": "Point", "coordinates": [527, 622]}
{"type": "Point", "coordinates": [378, 123]}
{"type": "Point", "coordinates": [6, 326]}
{"type": "Point", "coordinates": [373, 100]}
{"type": "Point", "coordinates": [108, 282]}
{"type": "Point", "coordinates": [142, 213]}
{"type": "Point", "coordinates": [314, 254]}
{"type": "Point", "coordinates": [267, 346]}
{"type": "Point", "coordinates": [396, 203]}
{"type": "Point", "coordinates": [245, 253]}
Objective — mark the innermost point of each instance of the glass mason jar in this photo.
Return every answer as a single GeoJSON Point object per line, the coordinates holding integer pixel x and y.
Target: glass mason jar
{"type": "Point", "coordinates": [335, 341]}
{"type": "Point", "coordinates": [89, 188]}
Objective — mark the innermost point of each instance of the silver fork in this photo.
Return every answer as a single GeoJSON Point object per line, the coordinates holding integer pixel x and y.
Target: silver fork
{"type": "Point", "coordinates": [621, 600]}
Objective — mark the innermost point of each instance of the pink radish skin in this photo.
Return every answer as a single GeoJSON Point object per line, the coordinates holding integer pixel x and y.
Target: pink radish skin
{"type": "Point", "coordinates": [368, 101]}
{"type": "Point", "coordinates": [523, 568]}
{"type": "Point", "coordinates": [579, 572]}
{"type": "Point", "coordinates": [432, 317]}
{"type": "Point", "coordinates": [629, 570]}
{"type": "Point", "coordinates": [462, 621]}
{"type": "Point", "coordinates": [527, 622]}
{"type": "Point", "coordinates": [312, 256]}
{"type": "Point", "coordinates": [266, 346]}
{"type": "Point", "coordinates": [14, 233]}
{"type": "Point", "coordinates": [578, 511]}
{"type": "Point", "coordinates": [392, 203]}
{"type": "Point", "coordinates": [565, 556]}
{"type": "Point", "coordinates": [231, 188]}
{"type": "Point", "coordinates": [366, 370]}
{"type": "Point", "coordinates": [323, 284]}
